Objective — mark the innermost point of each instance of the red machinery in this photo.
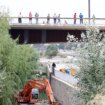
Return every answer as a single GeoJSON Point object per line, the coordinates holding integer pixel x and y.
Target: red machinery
{"type": "Point", "coordinates": [30, 93]}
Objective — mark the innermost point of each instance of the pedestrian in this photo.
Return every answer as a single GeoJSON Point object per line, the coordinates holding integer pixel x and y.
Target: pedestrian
{"type": "Point", "coordinates": [75, 17]}
{"type": "Point", "coordinates": [65, 22]}
{"type": "Point", "coordinates": [43, 22]}
{"type": "Point", "coordinates": [55, 18]}
{"type": "Point", "coordinates": [48, 19]}
{"type": "Point", "coordinates": [81, 18]}
{"type": "Point", "coordinates": [36, 17]}
{"type": "Point", "coordinates": [20, 18]}
{"type": "Point", "coordinates": [93, 18]}
{"type": "Point", "coordinates": [53, 68]}
{"type": "Point", "coordinates": [59, 19]}
{"type": "Point", "coordinates": [30, 17]}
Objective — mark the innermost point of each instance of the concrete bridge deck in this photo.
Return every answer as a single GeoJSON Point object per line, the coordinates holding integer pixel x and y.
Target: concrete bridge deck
{"type": "Point", "coordinates": [54, 26]}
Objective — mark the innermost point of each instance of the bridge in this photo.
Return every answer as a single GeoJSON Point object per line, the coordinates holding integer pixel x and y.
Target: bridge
{"type": "Point", "coordinates": [47, 33]}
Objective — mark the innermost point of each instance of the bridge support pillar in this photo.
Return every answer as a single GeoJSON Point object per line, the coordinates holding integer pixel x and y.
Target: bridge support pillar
{"type": "Point", "coordinates": [44, 35]}
{"type": "Point", "coordinates": [26, 36]}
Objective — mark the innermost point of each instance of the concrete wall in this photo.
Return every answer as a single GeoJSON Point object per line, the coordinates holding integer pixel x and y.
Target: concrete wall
{"type": "Point", "coordinates": [64, 92]}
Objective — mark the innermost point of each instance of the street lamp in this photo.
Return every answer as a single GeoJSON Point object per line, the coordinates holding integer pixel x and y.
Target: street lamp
{"type": "Point", "coordinates": [89, 10]}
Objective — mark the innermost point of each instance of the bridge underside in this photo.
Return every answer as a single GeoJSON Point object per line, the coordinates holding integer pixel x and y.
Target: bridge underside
{"type": "Point", "coordinates": [30, 36]}
{"type": "Point", "coordinates": [47, 33]}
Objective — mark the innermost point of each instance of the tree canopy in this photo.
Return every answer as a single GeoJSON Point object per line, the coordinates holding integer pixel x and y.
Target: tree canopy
{"type": "Point", "coordinates": [16, 64]}
{"type": "Point", "coordinates": [51, 50]}
{"type": "Point", "coordinates": [91, 77]}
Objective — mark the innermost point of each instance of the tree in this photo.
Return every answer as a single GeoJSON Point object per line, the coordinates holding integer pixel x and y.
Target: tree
{"type": "Point", "coordinates": [92, 63]}
{"type": "Point", "coordinates": [16, 64]}
{"type": "Point", "coordinates": [52, 50]}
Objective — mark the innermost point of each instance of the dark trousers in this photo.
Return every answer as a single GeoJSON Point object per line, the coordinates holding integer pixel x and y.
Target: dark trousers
{"type": "Point", "coordinates": [53, 72]}
{"type": "Point", "coordinates": [81, 21]}
{"type": "Point", "coordinates": [36, 20]}
{"type": "Point", "coordinates": [48, 21]}
{"type": "Point", "coordinates": [30, 20]}
{"type": "Point", "coordinates": [74, 21]}
{"type": "Point", "coordinates": [19, 20]}
{"type": "Point", "coordinates": [54, 20]}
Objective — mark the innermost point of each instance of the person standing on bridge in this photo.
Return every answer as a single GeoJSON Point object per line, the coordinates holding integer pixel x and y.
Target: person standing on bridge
{"type": "Point", "coordinates": [75, 17]}
{"type": "Point", "coordinates": [55, 18]}
{"type": "Point", "coordinates": [36, 17]}
{"type": "Point", "coordinates": [20, 18]}
{"type": "Point", "coordinates": [93, 17]}
{"type": "Point", "coordinates": [53, 68]}
{"type": "Point", "coordinates": [48, 19]}
{"type": "Point", "coordinates": [81, 18]}
{"type": "Point", "coordinates": [59, 19]}
{"type": "Point", "coordinates": [30, 17]}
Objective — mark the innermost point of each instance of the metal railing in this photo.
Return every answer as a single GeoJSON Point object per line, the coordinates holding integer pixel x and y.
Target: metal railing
{"type": "Point", "coordinates": [64, 20]}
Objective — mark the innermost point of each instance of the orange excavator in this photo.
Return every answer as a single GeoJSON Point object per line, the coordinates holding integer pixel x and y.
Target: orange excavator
{"type": "Point", "coordinates": [30, 92]}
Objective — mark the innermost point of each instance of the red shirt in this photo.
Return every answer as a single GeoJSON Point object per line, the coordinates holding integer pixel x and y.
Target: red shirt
{"type": "Point", "coordinates": [75, 15]}
{"type": "Point", "coordinates": [30, 15]}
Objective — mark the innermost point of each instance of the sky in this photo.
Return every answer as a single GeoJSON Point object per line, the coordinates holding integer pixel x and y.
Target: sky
{"type": "Point", "coordinates": [65, 7]}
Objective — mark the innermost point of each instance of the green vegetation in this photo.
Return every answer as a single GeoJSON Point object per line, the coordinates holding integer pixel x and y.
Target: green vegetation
{"type": "Point", "coordinates": [42, 95]}
{"type": "Point", "coordinates": [51, 51]}
{"type": "Point", "coordinates": [92, 64]}
{"type": "Point", "coordinates": [17, 62]}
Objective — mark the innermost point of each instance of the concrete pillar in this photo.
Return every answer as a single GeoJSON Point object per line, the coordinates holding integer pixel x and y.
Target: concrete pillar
{"type": "Point", "coordinates": [43, 38]}
{"type": "Point", "coordinates": [26, 36]}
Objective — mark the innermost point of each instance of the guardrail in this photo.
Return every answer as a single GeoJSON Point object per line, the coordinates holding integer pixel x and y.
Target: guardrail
{"type": "Point", "coordinates": [64, 20]}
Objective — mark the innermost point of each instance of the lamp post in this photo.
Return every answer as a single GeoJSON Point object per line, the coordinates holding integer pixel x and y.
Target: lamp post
{"type": "Point", "coordinates": [89, 10]}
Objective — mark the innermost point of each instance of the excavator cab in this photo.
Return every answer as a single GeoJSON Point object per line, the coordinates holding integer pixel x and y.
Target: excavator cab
{"type": "Point", "coordinates": [35, 93]}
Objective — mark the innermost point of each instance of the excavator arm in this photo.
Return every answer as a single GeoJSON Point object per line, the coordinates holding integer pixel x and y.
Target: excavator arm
{"type": "Point", "coordinates": [49, 92]}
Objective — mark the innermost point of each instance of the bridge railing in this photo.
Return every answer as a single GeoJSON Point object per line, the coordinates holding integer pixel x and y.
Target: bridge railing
{"type": "Point", "coordinates": [64, 20]}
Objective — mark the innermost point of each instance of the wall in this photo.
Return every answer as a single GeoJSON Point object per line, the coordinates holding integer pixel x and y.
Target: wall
{"type": "Point", "coordinates": [64, 92]}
